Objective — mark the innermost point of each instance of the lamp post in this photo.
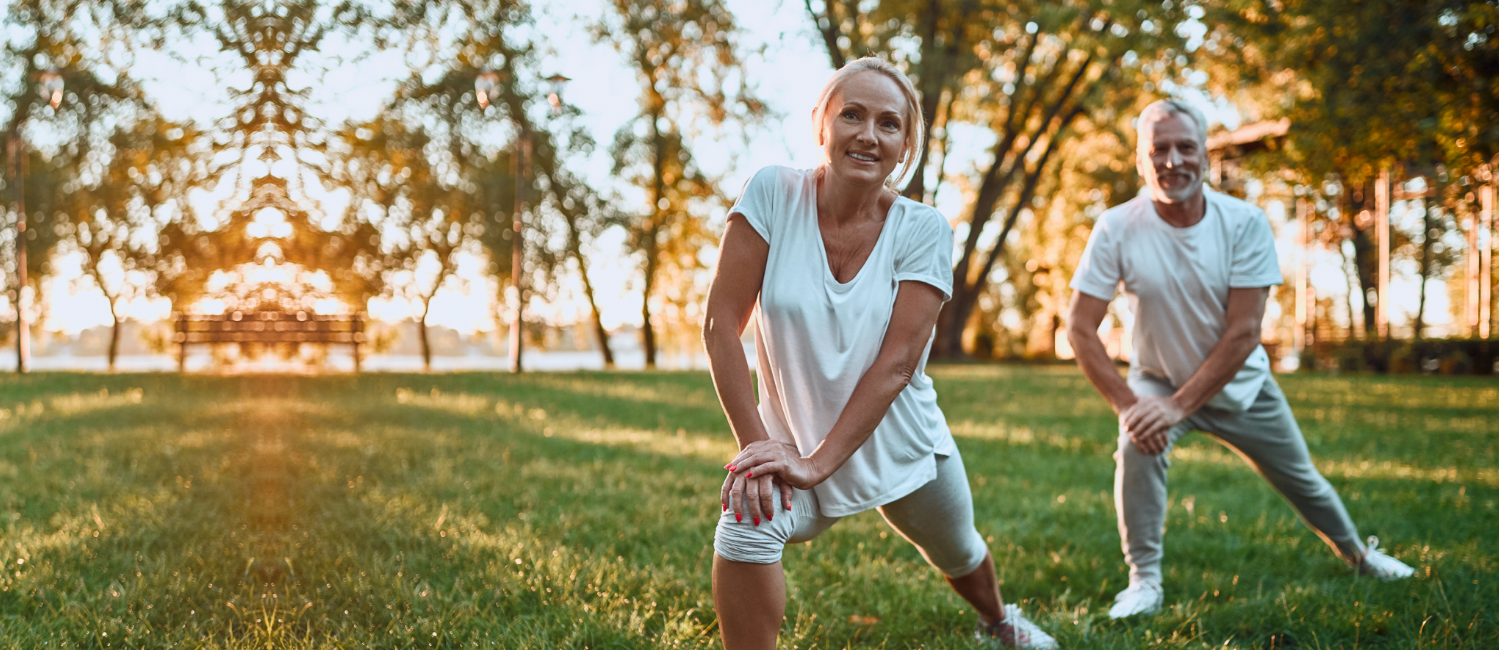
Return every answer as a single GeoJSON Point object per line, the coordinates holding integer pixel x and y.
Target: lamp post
{"type": "Point", "coordinates": [51, 86]}
{"type": "Point", "coordinates": [486, 90]}
{"type": "Point", "coordinates": [555, 84]}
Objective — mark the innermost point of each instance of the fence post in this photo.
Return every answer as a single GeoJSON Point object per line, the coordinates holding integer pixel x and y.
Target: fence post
{"type": "Point", "coordinates": [1485, 240]}
{"type": "Point", "coordinates": [1382, 225]}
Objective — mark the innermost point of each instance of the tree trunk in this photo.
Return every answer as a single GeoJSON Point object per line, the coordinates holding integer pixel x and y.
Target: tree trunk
{"type": "Point", "coordinates": [1365, 253]}
{"type": "Point", "coordinates": [1427, 226]}
{"type": "Point", "coordinates": [648, 332]}
{"type": "Point", "coordinates": [996, 180]}
{"type": "Point", "coordinates": [931, 95]}
{"type": "Point", "coordinates": [827, 26]}
{"type": "Point", "coordinates": [114, 334]}
{"type": "Point", "coordinates": [1366, 263]}
{"type": "Point", "coordinates": [941, 162]}
{"type": "Point", "coordinates": [421, 333]}
{"type": "Point", "coordinates": [652, 232]}
{"type": "Point", "coordinates": [598, 321]}
{"type": "Point", "coordinates": [958, 310]}
{"type": "Point", "coordinates": [1348, 300]}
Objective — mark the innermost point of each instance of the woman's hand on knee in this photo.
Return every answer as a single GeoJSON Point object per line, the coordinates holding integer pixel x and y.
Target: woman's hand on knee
{"type": "Point", "coordinates": [753, 497]}
{"type": "Point", "coordinates": [768, 457]}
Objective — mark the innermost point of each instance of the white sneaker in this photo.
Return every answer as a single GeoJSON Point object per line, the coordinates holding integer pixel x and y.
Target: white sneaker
{"type": "Point", "coordinates": [1015, 632]}
{"type": "Point", "coordinates": [1376, 563]}
{"type": "Point", "coordinates": [1140, 598]}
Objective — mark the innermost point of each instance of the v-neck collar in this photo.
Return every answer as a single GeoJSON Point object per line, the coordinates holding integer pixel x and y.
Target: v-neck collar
{"type": "Point", "coordinates": [822, 249]}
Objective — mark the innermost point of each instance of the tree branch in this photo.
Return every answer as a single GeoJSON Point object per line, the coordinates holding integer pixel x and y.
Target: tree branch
{"type": "Point", "coordinates": [829, 30]}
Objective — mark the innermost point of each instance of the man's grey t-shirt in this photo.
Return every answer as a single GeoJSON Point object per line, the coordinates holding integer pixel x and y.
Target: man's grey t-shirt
{"type": "Point", "coordinates": [1177, 281]}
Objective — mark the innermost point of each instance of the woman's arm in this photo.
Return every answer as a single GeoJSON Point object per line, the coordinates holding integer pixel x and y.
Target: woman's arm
{"type": "Point", "coordinates": [911, 322]}
{"type": "Point", "coordinates": [731, 301]}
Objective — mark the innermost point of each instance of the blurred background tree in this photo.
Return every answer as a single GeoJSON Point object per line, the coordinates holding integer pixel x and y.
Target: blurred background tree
{"type": "Point", "coordinates": [1029, 129]}
{"type": "Point", "coordinates": [151, 167]}
{"type": "Point", "coordinates": [687, 60]}
{"type": "Point", "coordinates": [447, 45]}
{"type": "Point", "coordinates": [270, 148]}
{"type": "Point", "coordinates": [1407, 86]}
{"type": "Point", "coordinates": [72, 138]}
{"type": "Point", "coordinates": [1023, 78]}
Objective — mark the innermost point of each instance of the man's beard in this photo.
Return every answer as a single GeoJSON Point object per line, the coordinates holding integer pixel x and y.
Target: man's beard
{"type": "Point", "coordinates": [1178, 186]}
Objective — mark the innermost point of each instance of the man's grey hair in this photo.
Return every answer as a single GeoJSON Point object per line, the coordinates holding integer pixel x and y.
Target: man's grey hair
{"type": "Point", "coordinates": [1172, 106]}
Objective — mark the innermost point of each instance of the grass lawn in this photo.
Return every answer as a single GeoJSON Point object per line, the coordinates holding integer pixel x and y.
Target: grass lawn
{"type": "Point", "coordinates": [577, 511]}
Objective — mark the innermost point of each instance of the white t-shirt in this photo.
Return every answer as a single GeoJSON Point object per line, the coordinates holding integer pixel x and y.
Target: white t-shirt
{"type": "Point", "coordinates": [816, 337]}
{"type": "Point", "coordinates": [1177, 281]}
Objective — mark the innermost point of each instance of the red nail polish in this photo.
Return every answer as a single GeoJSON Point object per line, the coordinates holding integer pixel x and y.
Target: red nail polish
{"type": "Point", "coordinates": [725, 508]}
{"type": "Point", "coordinates": [731, 469]}
{"type": "Point", "coordinates": [750, 475]}
{"type": "Point", "coordinates": [757, 521]}
{"type": "Point", "coordinates": [738, 517]}
{"type": "Point", "coordinates": [770, 516]}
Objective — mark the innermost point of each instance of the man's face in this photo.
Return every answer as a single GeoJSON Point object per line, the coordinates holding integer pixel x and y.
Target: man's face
{"type": "Point", "coordinates": [1171, 158]}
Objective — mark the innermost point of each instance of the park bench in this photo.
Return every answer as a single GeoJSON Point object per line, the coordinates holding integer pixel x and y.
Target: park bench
{"type": "Point", "coordinates": [268, 328]}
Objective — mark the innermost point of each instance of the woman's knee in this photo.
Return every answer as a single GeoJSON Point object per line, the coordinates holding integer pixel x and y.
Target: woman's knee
{"type": "Point", "coordinates": [745, 541]}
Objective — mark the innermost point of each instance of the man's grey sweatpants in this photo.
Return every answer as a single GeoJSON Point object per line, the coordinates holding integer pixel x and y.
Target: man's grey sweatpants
{"type": "Point", "coordinates": [1266, 436]}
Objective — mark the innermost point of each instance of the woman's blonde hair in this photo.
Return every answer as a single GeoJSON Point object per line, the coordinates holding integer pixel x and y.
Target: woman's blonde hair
{"type": "Point", "coordinates": [913, 119]}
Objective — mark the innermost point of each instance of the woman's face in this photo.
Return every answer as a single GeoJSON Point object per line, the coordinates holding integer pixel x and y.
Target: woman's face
{"type": "Point", "coordinates": [864, 128]}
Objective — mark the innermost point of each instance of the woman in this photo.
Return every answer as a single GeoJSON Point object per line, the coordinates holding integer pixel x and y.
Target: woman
{"type": "Point", "coordinates": [848, 278]}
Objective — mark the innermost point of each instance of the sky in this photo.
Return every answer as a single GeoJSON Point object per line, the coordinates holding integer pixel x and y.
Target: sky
{"type": "Point", "coordinates": [787, 75]}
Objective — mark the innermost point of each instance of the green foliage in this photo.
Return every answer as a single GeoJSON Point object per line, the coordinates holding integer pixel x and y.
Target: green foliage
{"type": "Point", "coordinates": [152, 165]}
{"type": "Point", "coordinates": [1403, 85]}
{"type": "Point", "coordinates": [423, 204]}
{"type": "Point", "coordinates": [687, 60]}
{"type": "Point", "coordinates": [89, 46]}
{"type": "Point", "coordinates": [1034, 77]}
{"type": "Point", "coordinates": [424, 175]}
{"type": "Point", "coordinates": [576, 510]}
{"type": "Point", "coordinates": [1367, 83]}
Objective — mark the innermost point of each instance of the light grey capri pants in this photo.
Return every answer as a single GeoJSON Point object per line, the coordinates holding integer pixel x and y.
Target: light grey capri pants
{"type": "Point", "coordinates": [937, 518]}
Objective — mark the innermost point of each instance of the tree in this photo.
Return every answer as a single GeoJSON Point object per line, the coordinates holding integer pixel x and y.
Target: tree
{"type": "Point", "coordinates": [428, 208]}
{"type": "Point", "coordinates": [62, 39]}
{"type": "Point", "coordinates": [1433, 256]}
{"type": "Point", "coordinates": [1023, 307]}
{"type": "Point", "coordinates": [269, 147]}
{"type": "Point", "coordinates": [1029, 74]}
{"type": "Point", "coordinates": [687, 61]}
{"type": "Point", "coordinates": [1366, 86]}
{"type": "Point", "coordinates": [152, 166]}
{"type": "Point", "coordinates": [460, 41]}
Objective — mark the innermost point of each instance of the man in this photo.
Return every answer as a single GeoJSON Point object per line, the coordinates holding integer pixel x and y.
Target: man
{"type": "Point", "coordinates": [1197, 267]}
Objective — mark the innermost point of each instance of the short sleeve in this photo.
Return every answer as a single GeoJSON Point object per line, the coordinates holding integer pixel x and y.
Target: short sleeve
{"type": "Point", "coordinates": [925, 252]}
{"type": "Point", "coordinates": [1098, 272]}
{"type": "Point", "coordinates": [1254, 261]}
{"type": "Point", "coordinates": [758, 201]}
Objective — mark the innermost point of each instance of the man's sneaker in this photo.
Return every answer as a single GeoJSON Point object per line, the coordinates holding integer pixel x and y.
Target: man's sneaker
{"type": "Point", "coordinates": [1015, 632]}
{"type": "Point", "coordinates": [1376, 563]}
{"type": "Point", "coordinates": [1140, 598]}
